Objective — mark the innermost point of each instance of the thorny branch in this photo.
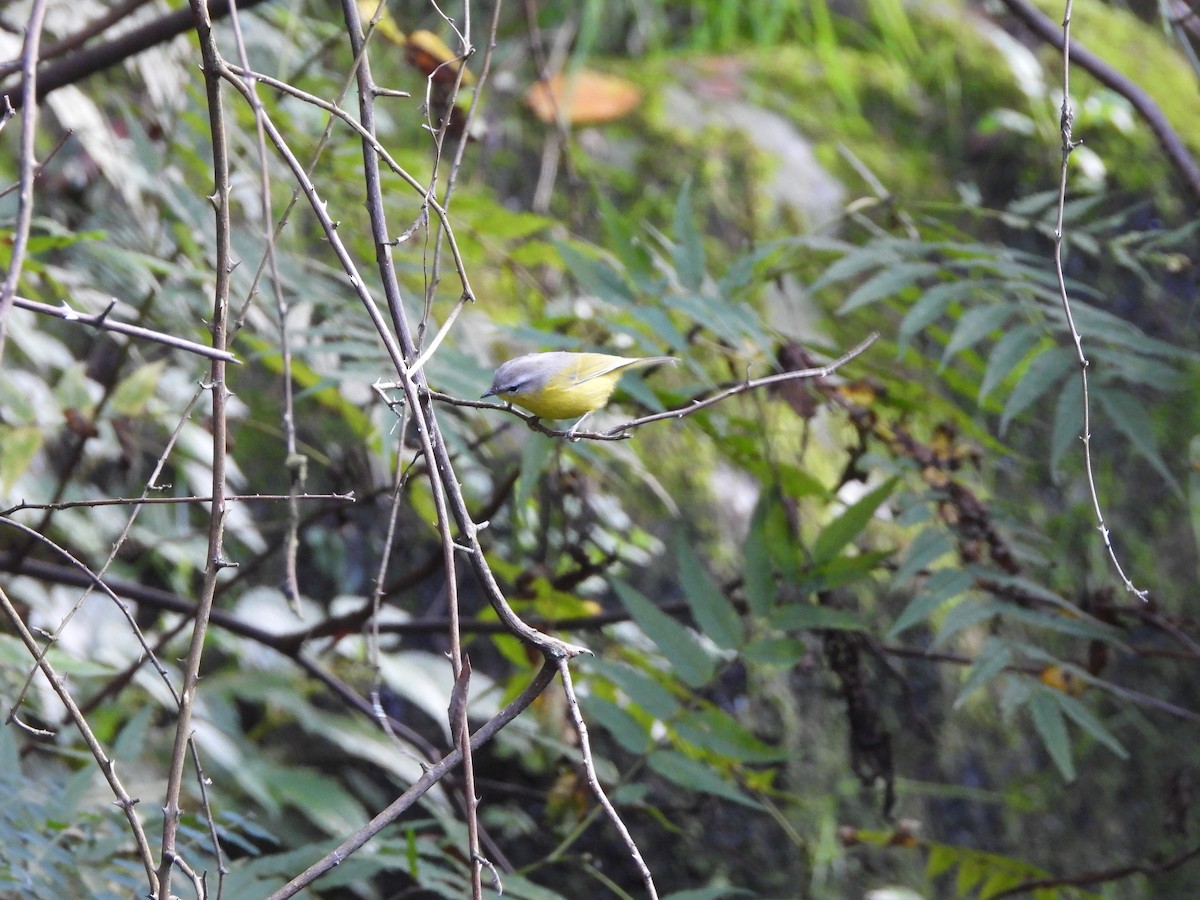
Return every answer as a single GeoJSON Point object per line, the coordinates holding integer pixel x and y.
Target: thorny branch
{"type": "Point", "coordinates": [215, 561]}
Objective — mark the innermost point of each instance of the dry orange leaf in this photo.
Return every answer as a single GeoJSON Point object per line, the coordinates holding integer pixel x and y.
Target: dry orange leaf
{"type": "Point", "coordinates": [428, 53]}
{"type": "Point", "coordinates": [583, 98]}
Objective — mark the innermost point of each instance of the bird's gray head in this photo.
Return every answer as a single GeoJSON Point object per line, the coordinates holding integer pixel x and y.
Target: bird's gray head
{"type": "Point", "coordinates": [523, 374]}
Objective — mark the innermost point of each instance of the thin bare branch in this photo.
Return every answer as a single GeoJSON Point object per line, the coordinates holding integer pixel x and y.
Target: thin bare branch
{"type": "Point", "coordinates": [1173, 146]}
{"type": "Point", "coordinates": [421, 786]}
{"type": "Point", "coordinates": [423, 420]}
{"type": "Point", "coordinates": [107, 766]}
{"type": "Point", "coordinates": [589, 767]}
{"type": "Point", "coordinates": [82, 36]}
{"type": "Point", "coordinates": [1066, 119]}
{"type": "Point", "coordinates": [104, 323]}
{"type": "Point", "coordinates": [215, 561]}
{"type": "Point", "coordinates": [80, 64]}
{"type": "Point", "coordinates": [621, 432]}
{"type": "Point", "coordinates": [334, 110]}
{"type": "Point", "coordinates": [167, 501]}
{"type": "Point", "coordinates": [26, 164]}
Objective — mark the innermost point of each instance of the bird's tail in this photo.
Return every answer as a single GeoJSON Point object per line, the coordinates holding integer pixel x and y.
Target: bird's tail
{"type": "Point", "coordinates": [643, 361]}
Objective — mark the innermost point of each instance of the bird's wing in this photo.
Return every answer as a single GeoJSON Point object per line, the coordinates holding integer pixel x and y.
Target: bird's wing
{"type": "Point", "coordinates": [617, 362]}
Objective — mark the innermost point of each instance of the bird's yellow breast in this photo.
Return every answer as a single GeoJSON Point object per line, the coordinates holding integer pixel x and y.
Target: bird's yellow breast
{"type": "Point", "coordinates": [565, 398]}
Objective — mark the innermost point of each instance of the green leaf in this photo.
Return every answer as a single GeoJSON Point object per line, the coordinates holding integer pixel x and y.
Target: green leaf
{"type": "Point", "coordinates": [927, 548]}
{"type": "Point", "coordinates": [931, 307]}
{"type": "Point", "coordinates": [327, 804]}
{"type": "Point", "coordinates": [844, 570]}
{"type": "Point", "coordinates": [776, 651]}
{"type": "Point", "coordinates": [689, 248]}
{"type": "Point", "coordinates": [969, 611]}
{"type": "Point", "coordinates": [716, 731]}
{"type": "Point", "coordinates": [875, 255]}
{"type": "Point", "coordinates": [1014, 345]}
{"type": "Point", "coordinates": [536, 454]}
{"type": "Point", "coordinates": [807, 616]}
{"type": "Point", "coordinates": [597, 276]}
{"type": "Point", "coordinates": [976, 324]}
{"type": "Point", "coordinates": [1065, 622]}
{"type": "Point", "coordinates": [714, 614]}
{"type": "Point", "coordinates": [1083, 717]}
{"type": "Point", "coordinates": [318, 387]}
{"type": "Point", "coordinates": [887, 283]}
{"type": "Point", "coordinates": [624, 728]}
{"type": "Point", "coordinates": [1032, 206]}
{"type": "Point", "coordinates": [712, 893]}
{"type": "Point", "coordinates": [971, 872]}
{"type": "Point", "coordinates": [132, 740]}
{"type": "Point", "coordinates": [941, 859]}
{"type": "Point", "coordinates": [1052, 729]}
{"type": "Point", "coordinates": [693, 775]}
{"type": "Point", "coordinates": [846, 527]}
{"type": "Point", "coordinates": [943, 586]}
{"type": "Point", "coordinates": [18, 447]}
{"type": "Point", "coordinates": [1044, 372]}
{"type": "Point", "coordinates": [1068, 423]}
{"type": "Point", "coordinates": [135, 391]}
{"type": "Point", "coordinates": [1096, 322]}
{"type": "Point", "coordinates": [998, 882]}
{"type": "Point", "coordinates": [1025, 586]}
{"type": "Point", "coordinates": [660, 325]}
{"type": "Point", "coordinates": [639, 687]}
{"type": "Point", "coordinates": [991, 661]}
{"type": "Point", "coordinates": [742, 272]}
{"type": "Point", "coordinates": [1132, 418]}
{"type": "Point", "coordinates": [681, 648]}
{"type": "Point", "coordinates": [758, 570]}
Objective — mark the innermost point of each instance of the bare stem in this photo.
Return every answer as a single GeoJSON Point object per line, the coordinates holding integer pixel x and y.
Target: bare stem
{"type": "Point", "coordinates": [107, 766]}
{"type": "Point", "coordinates": [589, 766]}
{"type": "Point", "coordinates": [1066, 119]}
{"type": "Point", "coordinates": [216, 552]}
{"type": "Point", "coordinates": [27, 164]}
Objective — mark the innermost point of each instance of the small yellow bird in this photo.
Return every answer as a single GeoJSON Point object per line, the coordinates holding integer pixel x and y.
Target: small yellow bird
{"type": "Point", "coordinates": [563, 385]}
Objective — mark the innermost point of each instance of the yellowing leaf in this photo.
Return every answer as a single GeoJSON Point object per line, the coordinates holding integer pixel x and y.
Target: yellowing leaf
{"type": "Point", "coordinates": [386, 26]}
{"type": "Point", "coordinates": [1062, 680]}
{"type": "Point", "coordinates": [134, 392]}
{"type": "Point", "coordinates": [18, 446]}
